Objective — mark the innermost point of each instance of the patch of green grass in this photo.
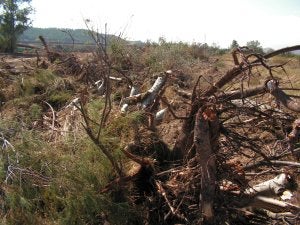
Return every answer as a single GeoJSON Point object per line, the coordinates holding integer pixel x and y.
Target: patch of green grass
{"type": "Point", "coordinates": [35, 112]}
{"type": "Point", "coordinates": [36, 84]}
{"type": "Point", "coordinates": [45, 76]}
{"type": "Point", "coordinates": [58, 99]}
{"type": "Point", "coordinates": [77, 171]}
{"type": "Point", "coordinates": [94, 108]}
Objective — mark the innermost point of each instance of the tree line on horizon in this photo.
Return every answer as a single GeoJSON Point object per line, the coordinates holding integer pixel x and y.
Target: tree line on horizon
{"type": "Point", "coordinates": [58, 35]}
{"type": "Point", "coordinates": [15, 26]}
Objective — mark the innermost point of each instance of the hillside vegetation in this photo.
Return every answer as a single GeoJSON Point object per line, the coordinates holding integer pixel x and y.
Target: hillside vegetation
{"type": "Point", "coordinates": [71, 156]}
{"type": "Point", "coordinates": [59, 35]}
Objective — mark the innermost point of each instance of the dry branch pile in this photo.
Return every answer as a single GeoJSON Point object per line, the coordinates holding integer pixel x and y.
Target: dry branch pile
{"type": "Point", "coordinates": [226, 138]}
{"type": "Point", "coordinates": [233, 131]}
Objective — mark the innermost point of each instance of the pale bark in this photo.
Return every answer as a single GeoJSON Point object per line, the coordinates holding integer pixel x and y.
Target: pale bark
{"type": "Point", "coordinates": [277, 216]}
{"type": "Point", "coordinates": [274, 205]}
{"type": "Point", "coordinates": [115, 78]}
{"type": "Point", "coordinates": [100, 84]}
{"type": "Point", "coordinates": [148, 97]}
{"type": "Point", "coordinates": [160, 115]}
{"type": "Point", "coordinates": [153, 91]}
{"type": "Point", "coordinates": [133, 91]}
{"type": "Point", "coordinates": [271, 187]}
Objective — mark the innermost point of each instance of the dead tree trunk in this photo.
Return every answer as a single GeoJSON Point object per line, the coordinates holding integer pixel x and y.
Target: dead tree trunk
{"type": "Point", "coordinates": [205, 139]}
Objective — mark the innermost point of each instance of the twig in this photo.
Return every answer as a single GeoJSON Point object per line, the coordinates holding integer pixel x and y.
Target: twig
{"type": "Point", "coordinates": [53, 118]}
{"type": "Point", "coordinates": [163, 193]}
{"type": "Point", "coordinates": [273, 162]}
{"type": "Point", "coordinates": [274, 205]}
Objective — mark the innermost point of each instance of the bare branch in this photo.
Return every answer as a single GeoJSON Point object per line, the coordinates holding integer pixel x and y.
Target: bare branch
{"type": "Point", "coordinates": [280, 96]}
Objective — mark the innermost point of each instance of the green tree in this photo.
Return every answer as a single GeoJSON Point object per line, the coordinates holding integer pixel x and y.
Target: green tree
{"type": "Point", "coordinates": [234, 44]}
{"type": "Point", "coordinates": [255, 46]}
{"type": "Point", "coordinates": [14, 20]}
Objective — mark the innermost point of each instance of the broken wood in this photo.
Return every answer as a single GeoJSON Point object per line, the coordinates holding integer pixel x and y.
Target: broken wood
{"type": "Point", "coordinates": [148, 97]}
{"type": "Point", "coordinates": [272, 162]}
{"type": "Point", "coordinates": [274, 205]}
{"type": "Point", "coordinates": [133, 92]}
{"type": "Point", "coordinates": [278, 216]}
{"type": "Point", "coordinates": [173, 211]}
{"type": "Point", "coordinates": [283, 98]}
{"type": "Point", "coordinates": [199, 153]}
{"type": "Point", "coordinates": [153, 91]}
{"type": "Point", "coordinates": [272, 187]}
{"type": "Point", "coordinates": [52, 56]}
{"type": "Point", "coordinates": [160, 115]}
{"type": "Point", "coordinates": [241, 94]}
{"type": "Point", "coordinates": [206, 132]}
{"type": "Point", "coordinates": [294, 135]}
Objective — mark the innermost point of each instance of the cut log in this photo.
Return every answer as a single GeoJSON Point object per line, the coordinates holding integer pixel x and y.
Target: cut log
{"type": "Point", "coordinates": [160, 115]}
{"type": "Point", "coordinates": [147, 98]}
{"type": "Point", "coordinates": [153, 91]}
{"type": "Point", "coordinates": [271, 187]}
{"type": "Point", "coordinates": [133, 92]}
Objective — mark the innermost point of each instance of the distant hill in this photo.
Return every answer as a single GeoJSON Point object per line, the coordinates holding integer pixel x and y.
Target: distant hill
{"type": "Point", "coordinates": [31, 35]}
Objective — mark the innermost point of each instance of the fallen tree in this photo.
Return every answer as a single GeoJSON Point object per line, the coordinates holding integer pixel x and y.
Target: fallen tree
{"type": "Point", "coordinates": [198, 145]}
{"type": "Point", "coordinates": [200, 178]}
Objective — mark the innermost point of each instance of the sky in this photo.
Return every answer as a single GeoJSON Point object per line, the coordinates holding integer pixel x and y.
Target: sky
{"type": "Point", "coordinates": [274, 23]}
